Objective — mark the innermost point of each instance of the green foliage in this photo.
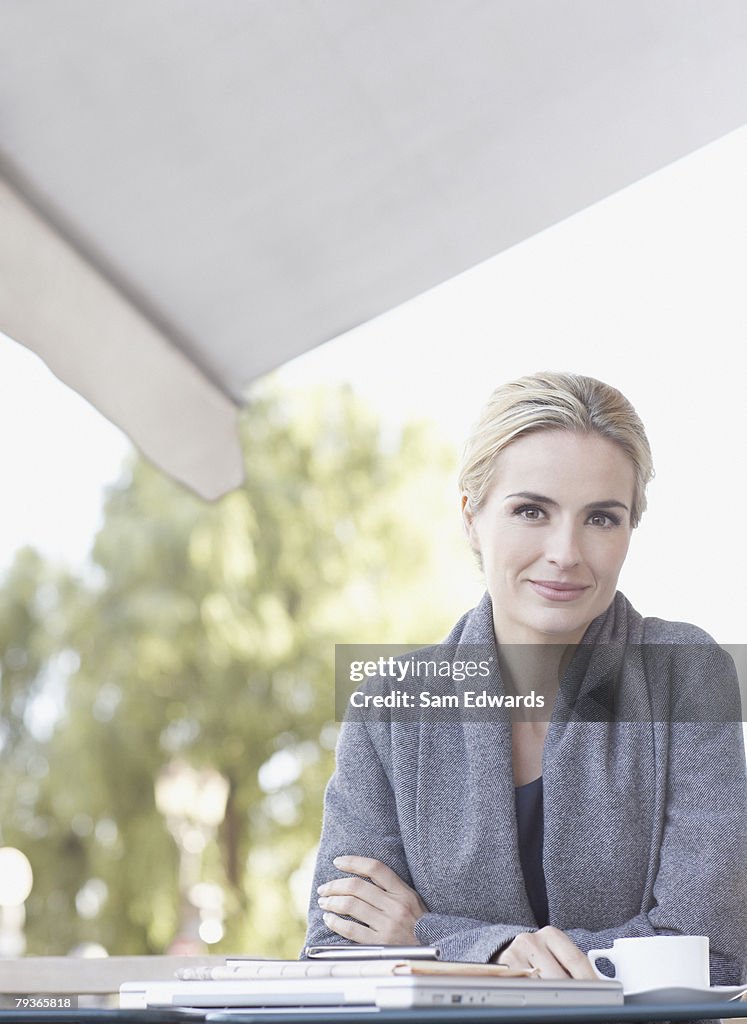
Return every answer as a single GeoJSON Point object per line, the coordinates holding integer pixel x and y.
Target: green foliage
{"type": "Point", "coordinates": [207, 633]}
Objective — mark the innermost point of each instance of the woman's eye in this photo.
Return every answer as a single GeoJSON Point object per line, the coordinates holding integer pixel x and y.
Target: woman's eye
{"type": "Point", "coordinates": [603, 519]}
{"type": "Point", "coordinates": [530, 512]}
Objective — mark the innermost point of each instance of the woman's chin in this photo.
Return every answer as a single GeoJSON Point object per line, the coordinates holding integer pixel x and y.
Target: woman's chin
{"type": "Point", "coordinates": [558, 625]}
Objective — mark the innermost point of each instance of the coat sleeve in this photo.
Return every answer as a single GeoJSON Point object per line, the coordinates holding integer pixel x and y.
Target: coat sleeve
{"type": "Point", "coordinates": [701, 884]}
{"type": "Point", "coordinates": [465, 939]}
{"type": "Point", "coordinates": [360, 819]}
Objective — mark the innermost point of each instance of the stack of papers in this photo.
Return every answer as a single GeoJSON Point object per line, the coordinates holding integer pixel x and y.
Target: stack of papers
{"type": "Point", "coordinates": [240, 967]}
{"type": "Point", "coordinates": [382, 984]}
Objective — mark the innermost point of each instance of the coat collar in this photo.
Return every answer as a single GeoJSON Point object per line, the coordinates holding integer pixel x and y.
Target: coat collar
{"type": "Point", "coordinates": [619, 623]}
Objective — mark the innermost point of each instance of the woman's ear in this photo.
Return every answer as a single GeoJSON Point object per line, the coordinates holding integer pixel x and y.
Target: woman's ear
{"type": "Point", "coordinates": [468, 518]}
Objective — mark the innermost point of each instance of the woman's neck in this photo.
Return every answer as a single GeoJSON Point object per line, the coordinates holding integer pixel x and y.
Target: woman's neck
{"type": "Point", "coordinates": [532, 661]}
{"type": "Point", "coordinates": [538, 667]}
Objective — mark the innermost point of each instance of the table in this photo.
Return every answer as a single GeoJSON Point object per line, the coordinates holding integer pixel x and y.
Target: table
{"type": "Point", "coordinates": [446, 1015]}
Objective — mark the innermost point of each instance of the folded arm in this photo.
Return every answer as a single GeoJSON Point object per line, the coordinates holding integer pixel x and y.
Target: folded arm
{"type": "Point", "coordinates": [700, 888]}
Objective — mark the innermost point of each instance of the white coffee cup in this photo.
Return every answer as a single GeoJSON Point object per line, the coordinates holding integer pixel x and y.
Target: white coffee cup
{"type": "Point", "coordinates": [657, 961]}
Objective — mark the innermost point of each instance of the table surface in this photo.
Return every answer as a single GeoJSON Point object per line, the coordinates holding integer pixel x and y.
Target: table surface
{"type": "Point", "coordinates": [442, 1015]}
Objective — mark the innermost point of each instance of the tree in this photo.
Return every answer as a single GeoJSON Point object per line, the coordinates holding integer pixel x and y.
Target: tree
{"type": "Point", "coordinates": [207, 632]}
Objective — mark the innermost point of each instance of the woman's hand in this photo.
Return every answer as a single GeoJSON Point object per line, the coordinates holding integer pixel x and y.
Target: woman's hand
{"type": "Point", "coordinates": [385, 906]}
{"type": "Point", "coordinates": [550, 951]}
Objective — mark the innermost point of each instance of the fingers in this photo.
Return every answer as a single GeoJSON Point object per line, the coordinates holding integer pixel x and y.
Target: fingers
{"type": "Point", "coordinates": [379, 873]}
{"type": "Point", "coordinates": [350, 930]}
{"type": "Point", "coordinates": [351, 906]}
{"type": "Point", "coordinates": [383, 879]}
{"type": "Point", "coordinates": [388, 918]}
{"type": "Point", "coordinates": [567, 953]}
{"type": "Point", "coordinates": [365, 892]}
{"type": "Point", "coordinates": [550, 951]}
{"type": "Point", "coordinates": [385, 907]}
{"type": "Point", "coordinates": [527, 952]}
{"type": "Point", "coordinates": [353, 897]}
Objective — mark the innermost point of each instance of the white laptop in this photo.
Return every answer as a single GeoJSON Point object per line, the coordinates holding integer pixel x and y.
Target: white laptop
{"type": "Point", "coordinates": [393, 992]}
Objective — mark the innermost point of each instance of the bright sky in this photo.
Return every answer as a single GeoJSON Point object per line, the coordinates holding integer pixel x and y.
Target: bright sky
{"type": "Point", "coordinates": [645, 290]}
{"type": "Point", "coordinates": [58, 455]}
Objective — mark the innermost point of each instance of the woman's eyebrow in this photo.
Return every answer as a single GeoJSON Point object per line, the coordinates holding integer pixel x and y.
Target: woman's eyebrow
{"type": "Point", "coordinates": [531, 496]}
{"type": "Point", "coordinates": [612, 503]}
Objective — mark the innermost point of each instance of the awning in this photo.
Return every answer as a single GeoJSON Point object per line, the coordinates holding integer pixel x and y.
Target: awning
{"type": "Point", "coordinates": [195, 191]}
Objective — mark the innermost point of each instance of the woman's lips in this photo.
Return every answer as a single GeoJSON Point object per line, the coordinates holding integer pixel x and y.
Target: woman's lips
{"type": "Point", "coordinates": [558, 591]}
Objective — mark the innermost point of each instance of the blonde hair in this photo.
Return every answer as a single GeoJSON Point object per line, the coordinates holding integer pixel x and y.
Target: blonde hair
{"type": "Point", "coordinates": [554, 401]}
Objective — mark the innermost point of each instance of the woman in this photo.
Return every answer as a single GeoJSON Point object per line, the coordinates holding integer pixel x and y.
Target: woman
{"type": "Point", "coordinates": [529, 842]}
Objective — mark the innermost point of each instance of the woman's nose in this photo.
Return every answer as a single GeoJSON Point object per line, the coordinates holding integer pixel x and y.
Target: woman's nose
{"type": "Point", "coordinates": [564, 548]}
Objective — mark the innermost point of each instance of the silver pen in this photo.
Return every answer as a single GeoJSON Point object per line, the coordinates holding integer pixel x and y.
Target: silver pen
{"type": "Point", "coordinates": [356, 952]}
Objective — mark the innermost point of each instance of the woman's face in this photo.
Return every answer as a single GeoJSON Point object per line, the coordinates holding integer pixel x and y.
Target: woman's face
{"type": "Point", "coordinates": [553, 533]}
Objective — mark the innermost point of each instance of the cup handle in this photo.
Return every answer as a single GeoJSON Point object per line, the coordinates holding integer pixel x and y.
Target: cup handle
{"type": "Point", "coordinates": [598, 954]}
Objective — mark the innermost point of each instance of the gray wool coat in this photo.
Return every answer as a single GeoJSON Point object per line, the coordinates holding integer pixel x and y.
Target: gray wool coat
{"type": "Point", "coordinates": [645, 821]}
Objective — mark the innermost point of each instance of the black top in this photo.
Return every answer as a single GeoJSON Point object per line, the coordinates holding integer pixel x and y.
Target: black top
{"type": "Point", "coordinates": [531, 828]}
